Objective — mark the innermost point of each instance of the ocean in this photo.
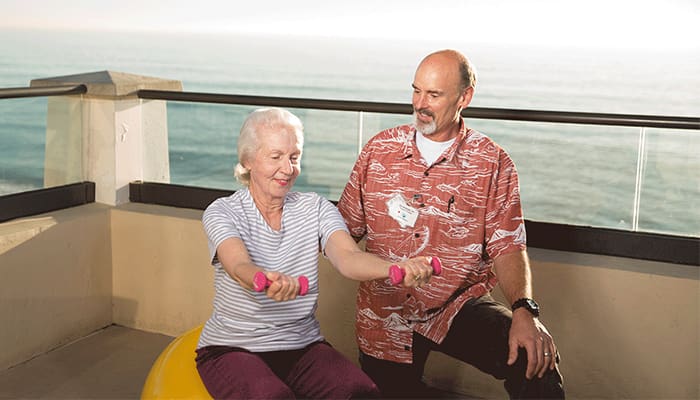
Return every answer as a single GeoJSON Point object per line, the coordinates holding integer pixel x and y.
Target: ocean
{"type": "Point", "coordinates": [582, 175]}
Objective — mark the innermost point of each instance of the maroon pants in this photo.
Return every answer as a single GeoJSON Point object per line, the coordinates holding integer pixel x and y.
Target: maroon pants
{"type": "Point", "coordinates": [315, 372]}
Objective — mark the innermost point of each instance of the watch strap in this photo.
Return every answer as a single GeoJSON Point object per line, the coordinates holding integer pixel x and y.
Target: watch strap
{"type": "Point", "coordinates": [529, 304]}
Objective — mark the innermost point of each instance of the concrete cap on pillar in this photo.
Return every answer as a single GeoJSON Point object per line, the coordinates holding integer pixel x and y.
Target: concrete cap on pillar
{"type": "Point", "coordinates": [110, 84]}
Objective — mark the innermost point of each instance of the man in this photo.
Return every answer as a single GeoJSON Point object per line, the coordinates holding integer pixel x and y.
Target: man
{"type": "Point", "coordinates": [439, 188]}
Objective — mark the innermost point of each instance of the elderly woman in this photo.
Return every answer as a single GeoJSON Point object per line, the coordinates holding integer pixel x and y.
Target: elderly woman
{"type": "Point", "coordinates": [264, 341]}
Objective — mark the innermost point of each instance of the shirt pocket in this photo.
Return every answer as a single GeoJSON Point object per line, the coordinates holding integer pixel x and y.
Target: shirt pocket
{"type": "Point", "coordinates": [461, 221]}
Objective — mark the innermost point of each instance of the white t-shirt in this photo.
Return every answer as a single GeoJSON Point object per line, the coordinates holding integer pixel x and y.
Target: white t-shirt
{"type": "Point", "coordinates": [429, 149]}
{"type": "Point", "coordinates": [247, 319]}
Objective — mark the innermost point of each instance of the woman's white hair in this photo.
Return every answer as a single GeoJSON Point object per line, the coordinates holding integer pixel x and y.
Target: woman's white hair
{"type": "Point", "coordinates": [248, 140]}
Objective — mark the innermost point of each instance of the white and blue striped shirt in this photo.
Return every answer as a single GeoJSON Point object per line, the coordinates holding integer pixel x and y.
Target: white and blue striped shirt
{"type": "Point", "coordinates": [250, 320]}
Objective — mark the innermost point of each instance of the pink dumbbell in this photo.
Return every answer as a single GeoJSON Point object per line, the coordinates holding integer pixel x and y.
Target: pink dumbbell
{"type": "Point", "coordinates": [260, 283]}
{"type": "Point", "coordinates": [396, 273]}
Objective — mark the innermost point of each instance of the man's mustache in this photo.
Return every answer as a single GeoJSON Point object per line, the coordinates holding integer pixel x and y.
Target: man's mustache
{"type": "Point", "coordinates": [424, 111]}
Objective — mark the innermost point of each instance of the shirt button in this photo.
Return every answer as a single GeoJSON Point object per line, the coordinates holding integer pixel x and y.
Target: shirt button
{"type": "Point", "coordinates": [426, 173]}
{"type": "Point", "coordinates": [416, 234]}
{"type": "Point", "coordinates": [407, 347]}
{"type": "Point", "coordinates": [422, 205]}
{"type": "Point", "coordinates": [408, 295]}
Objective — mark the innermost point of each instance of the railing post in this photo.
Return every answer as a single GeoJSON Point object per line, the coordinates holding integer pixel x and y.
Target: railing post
{"type": "Point", "coordinates": [107, 135]}
{"type": "Point", "coordinates": [360, 129]}
{"type": "Point", "coordinates": [641, 161]}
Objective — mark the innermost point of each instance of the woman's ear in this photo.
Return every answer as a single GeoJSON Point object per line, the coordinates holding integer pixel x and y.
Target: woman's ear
{"type": "Point", "coordinates": [244, 163]}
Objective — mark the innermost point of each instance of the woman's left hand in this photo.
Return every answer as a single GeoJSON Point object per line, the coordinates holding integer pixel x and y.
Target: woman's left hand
{"type": "Point", "coordinates": [418, 271]}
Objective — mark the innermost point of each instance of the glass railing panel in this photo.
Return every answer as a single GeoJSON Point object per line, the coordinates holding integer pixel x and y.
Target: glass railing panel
{"type": "Point", "coordinates": [203, 141]}
{"type": "Point", "coordinates": [670, 182]}
{"type": "Point", "coordinates": [330, 149]}
{"type": "Point", "coordinates": [571, 174]}
{"type": "Point", "coordinates": [22, 138]}
{"type": "Point", "coordinates": [376, 122]}
{"type": "Point", "coordinates": [65, 157]}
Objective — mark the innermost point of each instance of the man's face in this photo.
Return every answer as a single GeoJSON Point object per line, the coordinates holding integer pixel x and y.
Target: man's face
{"type": "Point", "coordinates": [437, 97]}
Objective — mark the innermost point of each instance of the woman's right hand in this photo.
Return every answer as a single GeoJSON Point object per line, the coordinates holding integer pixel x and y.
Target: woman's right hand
{"type": "Point", "coordinates": [281, 287]}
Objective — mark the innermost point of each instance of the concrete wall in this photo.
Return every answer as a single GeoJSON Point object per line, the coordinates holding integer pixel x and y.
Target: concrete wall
{"type": "Point", "coordinates": [625, 328]}
{"type": "Point", "coordinates": [161, 279]}
{"type": "Point", "coordinates": [55, 280]}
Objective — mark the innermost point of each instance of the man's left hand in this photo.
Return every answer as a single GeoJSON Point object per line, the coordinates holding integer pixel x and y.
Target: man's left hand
{"type": "Point", "coordinates": [527, 331]}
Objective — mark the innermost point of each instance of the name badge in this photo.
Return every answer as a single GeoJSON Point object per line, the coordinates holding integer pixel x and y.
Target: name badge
{"type": "Point", "coordinates": [401, 212]}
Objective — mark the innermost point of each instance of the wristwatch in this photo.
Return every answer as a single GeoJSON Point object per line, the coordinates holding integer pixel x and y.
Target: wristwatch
{"type": "Point", "coordinates": [529, 305]}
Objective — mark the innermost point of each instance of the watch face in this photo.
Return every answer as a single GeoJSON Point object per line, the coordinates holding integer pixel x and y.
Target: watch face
{"type": "Point", "coordinates": [529, 305]}
{"type": "Point", "coordinates": [532, 305]}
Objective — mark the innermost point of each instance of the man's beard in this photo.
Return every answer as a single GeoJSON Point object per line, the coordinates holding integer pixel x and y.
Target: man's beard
{"type": "Point", "coordinates": [426, 129]}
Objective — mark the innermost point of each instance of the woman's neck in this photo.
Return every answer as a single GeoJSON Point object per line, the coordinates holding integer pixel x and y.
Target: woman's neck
{"type": "Point", "coordinates": [270, 209]}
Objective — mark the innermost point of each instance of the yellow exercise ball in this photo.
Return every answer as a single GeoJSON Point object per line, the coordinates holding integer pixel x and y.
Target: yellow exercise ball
{"type": "Point", "coordinates": [174, 374]}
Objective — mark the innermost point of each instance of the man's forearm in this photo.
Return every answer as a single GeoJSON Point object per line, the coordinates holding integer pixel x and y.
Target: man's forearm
{"type": "Point", "coordinates": [514, 276]}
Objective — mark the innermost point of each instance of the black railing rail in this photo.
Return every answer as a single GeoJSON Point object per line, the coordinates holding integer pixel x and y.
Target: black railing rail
{"type": "Point", "coordinates": [39, 201]}
{"type": "Point", "coordinates": [648, 121]}
{"type": "Point", "coordinates": [545, 235]}
{"type": "Point", "coordinates": [508, 114]}
{"type": "Point", "coordinates": [59, 90]}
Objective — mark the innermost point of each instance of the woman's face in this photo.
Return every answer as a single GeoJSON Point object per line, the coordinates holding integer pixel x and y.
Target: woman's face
{"type": "Point", "coordinates": [276, 164]}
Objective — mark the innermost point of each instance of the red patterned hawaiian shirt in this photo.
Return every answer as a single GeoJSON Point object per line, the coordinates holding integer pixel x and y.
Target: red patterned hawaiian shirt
{"type": "Point", "coordinates": [468, 212]}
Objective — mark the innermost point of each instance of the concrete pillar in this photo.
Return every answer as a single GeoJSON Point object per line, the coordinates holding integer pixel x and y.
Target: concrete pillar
{"type": "Point", "coordinates": [107, 135]}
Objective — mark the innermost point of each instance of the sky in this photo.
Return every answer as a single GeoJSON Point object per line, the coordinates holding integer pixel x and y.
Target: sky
{"type": "Point", "coordinates": [597, 23]}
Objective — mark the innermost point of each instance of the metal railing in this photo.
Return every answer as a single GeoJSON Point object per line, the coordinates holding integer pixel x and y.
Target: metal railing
{"type": "Point", "coordinates": [41, 91]}
{"type": "Point", "coordinates": [581, 118]}
{"type": "Point", "coordinates": [678, 249]}
{"type": "Point", "coordinates": [506, 114]}
{"type": "Point", "coordinates": [648, 121]}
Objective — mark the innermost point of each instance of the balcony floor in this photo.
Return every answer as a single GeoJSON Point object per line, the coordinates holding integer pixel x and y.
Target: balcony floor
{"type": "Point", "coordinates": [112, 363]}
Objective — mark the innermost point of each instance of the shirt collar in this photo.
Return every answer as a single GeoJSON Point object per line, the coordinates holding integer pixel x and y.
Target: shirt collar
{"type": "Point", "coordinates": [410, 148]}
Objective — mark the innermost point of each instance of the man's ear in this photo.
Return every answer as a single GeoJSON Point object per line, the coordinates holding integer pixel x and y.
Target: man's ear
{"type": "Point", "coordinates": [466, 97]}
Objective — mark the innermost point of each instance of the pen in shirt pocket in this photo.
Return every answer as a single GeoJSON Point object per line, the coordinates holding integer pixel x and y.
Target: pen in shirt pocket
{"type": "Point", "coordinates": [449, 203]}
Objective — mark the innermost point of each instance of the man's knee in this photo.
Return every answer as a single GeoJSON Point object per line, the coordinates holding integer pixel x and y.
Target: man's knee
{"type": "Point", "coordinates": [549, 386]}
